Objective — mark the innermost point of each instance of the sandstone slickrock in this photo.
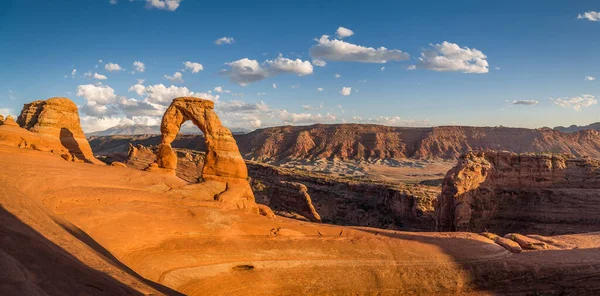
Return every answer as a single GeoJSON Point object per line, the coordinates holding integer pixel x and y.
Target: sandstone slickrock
{"type": "Point", "coordinates": [56, 122]}
{"type": "Point", "coordinates": [9, 121]}
{"type": "Point", "coordinates": [526, 193]}
{"type": "Point", "coordinates": [1, 119]}
{"type": "Point", "coordinates": [223, 162]}
{"type": "Point", "coordinates": [526, 242]}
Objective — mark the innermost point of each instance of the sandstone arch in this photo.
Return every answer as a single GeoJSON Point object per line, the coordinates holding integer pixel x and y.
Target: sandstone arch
{"type": "Point", "coordinates": [223, 165]}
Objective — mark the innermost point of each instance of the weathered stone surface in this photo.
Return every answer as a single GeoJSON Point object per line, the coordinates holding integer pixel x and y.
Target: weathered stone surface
{"type": "Point", "coordinates": [223, 162]}
{"type": "Point", "coordinates": [9, 121]}
{"type": "Point", "coordinates": [526, 193]}
{"type": "Point", "coordinates": [1, 119]}
{"type": "Point", "coordinates": [508, 244]}
{"type": "Point", "coordinates": [118, 164]}
{"type": "Point", "coordinates": [526, 242]}
{"type": "Point", "coordinates": [56, 121]}
{"type": "Point", "coordinates": [293, 196]}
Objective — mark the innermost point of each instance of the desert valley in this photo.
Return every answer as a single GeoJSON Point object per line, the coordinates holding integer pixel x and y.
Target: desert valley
{"type": "Point", "coordinates": [389, 148]}
{"type": "Point", "coordinates": [179, 214]}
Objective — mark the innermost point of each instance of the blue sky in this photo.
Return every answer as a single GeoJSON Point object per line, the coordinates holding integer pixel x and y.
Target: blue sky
{"type": "Point", "coordinates": [480, 58]}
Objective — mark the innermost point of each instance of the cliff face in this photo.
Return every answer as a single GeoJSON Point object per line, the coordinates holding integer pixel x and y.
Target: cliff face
{"type": "Point", "coordinates": [508, 192]}
{"type": "Point", "coordinates": [368, 142]}
{"type": "Point", "coordinates": [360, 142]}
{"type": "Point", "coordinates": [348, 202]}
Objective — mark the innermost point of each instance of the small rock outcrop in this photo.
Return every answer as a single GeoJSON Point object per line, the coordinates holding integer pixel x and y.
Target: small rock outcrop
{"type": "Point", "coordinates": [9, 121]}
{"type": "Point", "coordinates": [223, 163]}
{"type": "Point", "coordinates": [56, 122]}
{"type": "Point", "coordinates": [1, 119]}
{"type": "Point", "coordinates": [507, 192]}
{"type": "Point", "coordinates": [293, 196]}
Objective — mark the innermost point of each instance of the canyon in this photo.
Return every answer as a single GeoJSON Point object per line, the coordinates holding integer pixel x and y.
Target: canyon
{"type": "Point", "coordinates": [137, 227]}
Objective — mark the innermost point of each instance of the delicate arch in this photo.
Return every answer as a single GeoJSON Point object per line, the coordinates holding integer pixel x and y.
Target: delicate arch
{"type": "Point", "coordinates": [223, 158]}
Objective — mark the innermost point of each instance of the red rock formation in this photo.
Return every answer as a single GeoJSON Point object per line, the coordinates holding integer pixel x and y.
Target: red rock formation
{"type": "Point", "coordinates": [294, 197]}
{"type": "Point", "coordinates": [56, 122]}
{"type": "Point", "coordinates": [527, 193]}
{"type": "Point", "coordinates": [376, 142]}
{"type": "Point", "coordinates": [223, 163]}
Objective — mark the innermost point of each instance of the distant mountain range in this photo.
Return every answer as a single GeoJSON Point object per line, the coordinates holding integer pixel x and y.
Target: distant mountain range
{"type": "Point", "coordinates": [140, 129]}
{"type": "Point", "coordinates": [358, 142]}
{"type": "Point", "coordinates": [576, 128]}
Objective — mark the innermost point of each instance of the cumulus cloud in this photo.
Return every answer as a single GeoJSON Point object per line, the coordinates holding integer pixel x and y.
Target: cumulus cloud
{"type": "Point", "coordinates": [319, 89]}
{"type": "Point", "coordinates": [73, 73]}
{"type": "Point", "coordinates": [342, 51]}
{"type": "Point", "coordinates": [319, 63]}
{"type": "Point", "coordinates": [176, 78]}
{"type": "Point", "coordinates": [337, 76]}
{"type": "Point", "coordinates": [195, 67]}
{"type": "Point", "coordinates": [139, 66]}
{"type": "Point", "coordinates": [224, 40]}
{"type": "Point", "coordinates": [240, 106]}
{"type": "Point", "coordinates": [577, 103]}
{"type": "Point", "coordinates": [95, 76]}
{"type": "Point", "coordinates": [448, 56]}
{"type": "Point", "coordinates": [344, 32]}
{"type": "Point", "coordinates": [101, 94]}
{"type": "Point", "coordinates": [112, 67]}
{"type": "Point", "coordinates": [246, 71]}
{"type": "Point", "coordinates": [590, 78]}
{"type": "Point", "coordinates": [411, 67]}
{"type": "Point", "coordinates": [139, 89]}
{"type": "Point", "coordinates": [345, 91]}
{"type": "Point", "coordinates": [525, 102]}
{"type": "Point", "coordinates": [162, 95]}
{"type": "Point", "coordinates": [170, 5]}
{"type": "Point", "coordinates": [590, 16]}
{"type": "Point", "coordinates": [274, 85]}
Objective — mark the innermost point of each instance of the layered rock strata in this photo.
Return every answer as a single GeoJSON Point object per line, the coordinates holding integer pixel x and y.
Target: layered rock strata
{"type": "Point", "coordinates": [526, 193]}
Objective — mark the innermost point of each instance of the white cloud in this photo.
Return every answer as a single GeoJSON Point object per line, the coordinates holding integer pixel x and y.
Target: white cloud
{"type": "Point", "coordinates": [411, 67]}
{"type": "Point", "coordinates": [218, 89]}
{"type": "Point", "coordinates": [345, 91]}
{"type": "Point", "coordinates": [162, 95]}
{"type": "Point", "coordinates": [274, 85]}
{"type": "Point", "coordinates": [246, 71]}
{"type": "Point", "coordinates": [591, 16]}
{"type": "Point", "coordinates": [577, 103]}
{"type": "Point", "coordinates": [112, 2]}
{"type": "Point", "coordinates": [170, 5]}
{"type": "Point", "coordinates": [102, 94]}
{"type": "Point", "coordinates": [240, 106]}
{"type": "Point", "coordinates": [100, 76]}
{"type": "Point", "coordinates": [392, 121]}
{"type": "Point", "coordinates": [525, 102]}
{"type": "Point", "coordinates": [337, 76]}
{"type": "Point", "coordinates": [112, 67]}
{"type": "Point", "coordinates": [176, 78]}
{"type": "Point", "coordinates": [92, 124]}
{"type": "Point", "coordinates": [139, 89]}
{"type": "Point", "coordinates": [344, 32]}
{"type": "Point", "coordinates": [451, 57]}
{"type": "Point", "coordinates": [5, 112]}
{"type": "Point", "coordinates": [590, 78]}
{"type": "Point", "coordinates": [261, 93]}
{"type": "Point", "coordinates": [195, 67]}
{"type": "Point", "coordinates": [319, 63]}
{"type": "Point", "coordinates": [73, 73]}
{"type": "Point", "coordinates": [382, 69]}
{"type": "Point", "coordinates": [319, 89]}
{"type": "Point", "coordinates": [341, 51]}
{"type": "Point", "coordinates": [303, 118]}
{"type": "Point", "coordinates": [139, 66]}
{"type": "Point", "coordinates": [224, 40]}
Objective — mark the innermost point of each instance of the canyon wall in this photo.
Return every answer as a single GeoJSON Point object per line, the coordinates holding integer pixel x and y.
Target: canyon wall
{"type": "Point", "coordinates": [507, 192]}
